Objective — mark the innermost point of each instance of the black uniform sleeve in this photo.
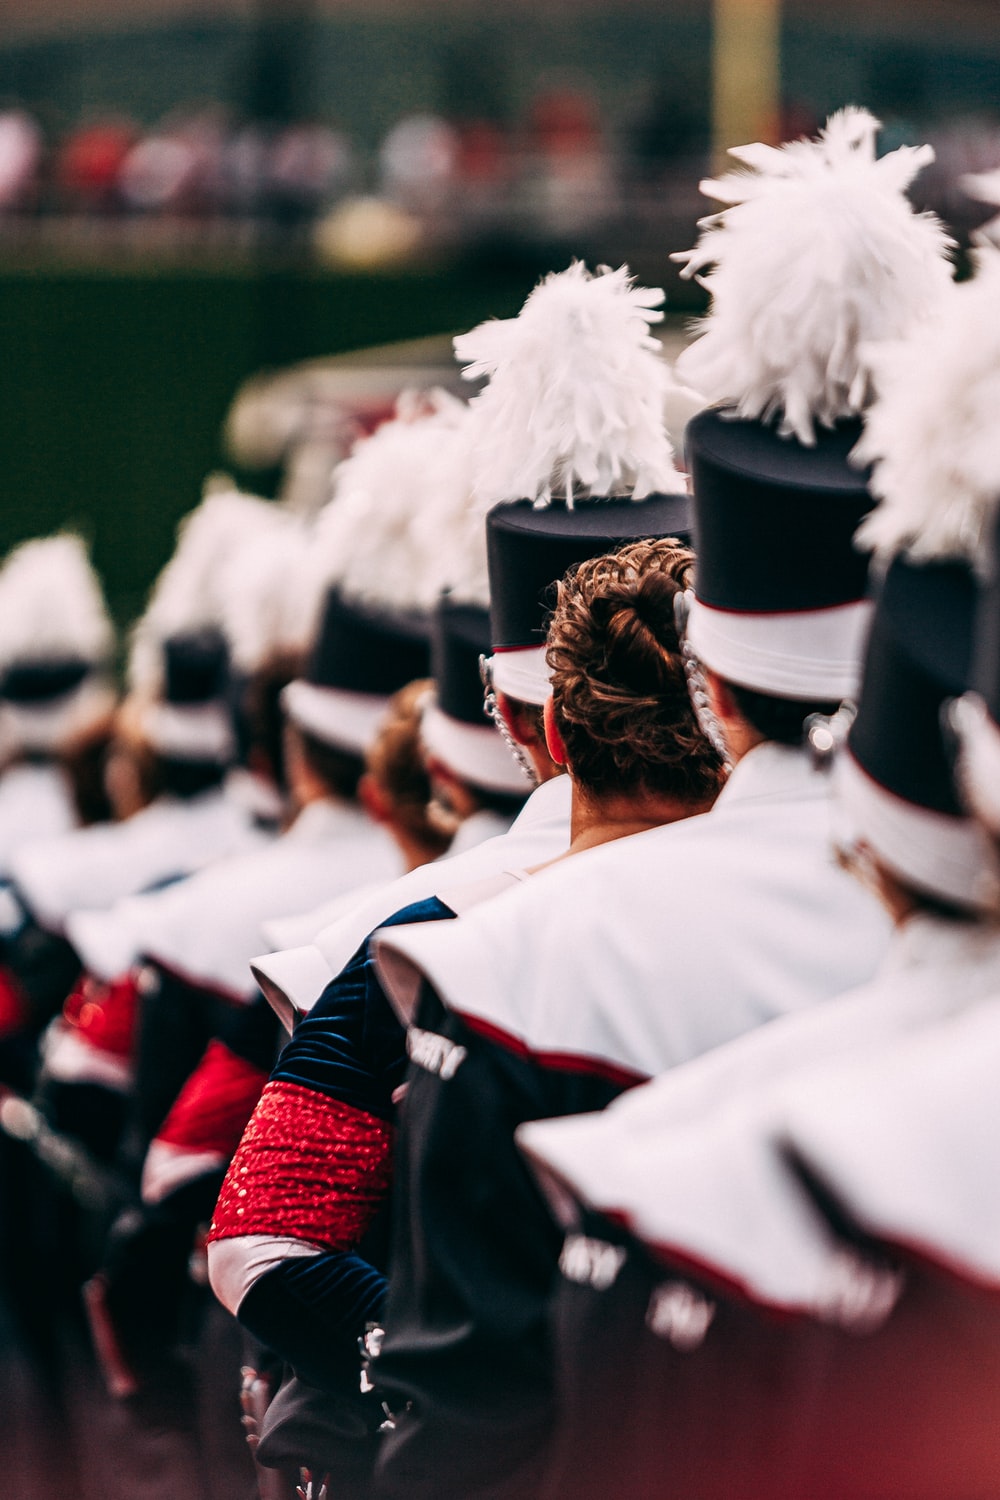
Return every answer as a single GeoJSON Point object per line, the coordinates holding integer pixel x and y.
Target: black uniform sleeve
{"type": "Point", "coordinates": [466, 1362]}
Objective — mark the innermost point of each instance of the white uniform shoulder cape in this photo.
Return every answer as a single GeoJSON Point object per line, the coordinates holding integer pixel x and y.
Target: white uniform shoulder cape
{"type": "Point", "coordinates": [693, 1162]}
{"type": "Point", "coordinates": [909, 1144]}
{"type": "Point", "coordinates": [651, 950]}
{"type": "Point", "coordinates": [303, 928]}
{"type": "Point", "coordinates": [36, 802]}
{"type": "Point", "coordinates": [293, 980]}
{"type": "Point", "coordinates": [91, 868]}
{"type": "Point", "coordinates": [207, 928]}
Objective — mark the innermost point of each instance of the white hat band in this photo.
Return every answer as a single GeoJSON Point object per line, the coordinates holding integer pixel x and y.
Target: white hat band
{"type": "Point", "coordinates": [53, 725]}
{"type": "Point", "coordinates": [348, 721]}
{"type": "Point", "coordinates": [946, 857]}
{"type": "Point", "coordinates": [813, 654]}
{"type": "Point", "coordinates": [978, 771]}
{"type": "Point", "coordinates": [522, 673]}
{"type": "Point", "coordinates": [474, 752]}
{"type": "Point", "coordinates": [200, 731]}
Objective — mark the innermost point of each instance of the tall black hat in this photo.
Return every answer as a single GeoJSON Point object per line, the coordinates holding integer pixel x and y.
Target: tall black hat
{"type": "Point", "coordinates": [56, 641]}
{"type": "Point", "coordinates": [571, 450]}
{"type": "Point", "coordinates": [455, 729]}
{"type": "Point", "coordinates": [192, 720]}
{"type": "Point", "coordinates": [530, 550]}
{"type": "Point", "coordinates": [781, 589]}
{"type": "Point", "coordinates": [816, 257]}
{"type": "Point", "coordinates": [933, 439]}
{"type": "Point", "coordinates": [360, 657]}
{"type": "Point", "coordinates": [975, 717]}
{"type": "Point", "coordinates": [896, 780]}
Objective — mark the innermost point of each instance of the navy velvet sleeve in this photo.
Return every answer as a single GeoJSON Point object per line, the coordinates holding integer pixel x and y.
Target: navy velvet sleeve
{"type": "Point", "coordinates": [350, 1046]}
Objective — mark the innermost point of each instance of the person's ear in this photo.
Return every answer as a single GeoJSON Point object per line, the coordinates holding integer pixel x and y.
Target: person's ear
{"type": "Point", "coordinates": [553, 738]}
{"type": "Point", "coordinates": [373, 799]}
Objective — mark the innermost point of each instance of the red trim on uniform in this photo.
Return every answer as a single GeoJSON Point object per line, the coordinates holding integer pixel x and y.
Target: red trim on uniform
{"type": "Point", "coordinates": [947, 1265]}
{"type": "Point", "coordinates": [104, 1015]}
{"type": "Point", "coordinates": [309, 1168]}
{"type": "Point", "coordinates": [683, 1263]}
{"type": "Point", "coordinates": [14, 1014]}
{"type": "Point", "coordinates": [555, 1062]}
{"type": "Point", "coordinates": [206, 986]}
{"type": "Point", "coordinates": [212, 1109]}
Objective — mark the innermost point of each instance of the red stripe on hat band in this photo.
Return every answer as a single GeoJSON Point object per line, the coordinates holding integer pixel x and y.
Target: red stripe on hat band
{"type": "Point", "coordinates": [780, 614]}
{"type": "Point", "coordinates": [309, 1168]}
{"type": "Point", "coordinates": [212, 1109]}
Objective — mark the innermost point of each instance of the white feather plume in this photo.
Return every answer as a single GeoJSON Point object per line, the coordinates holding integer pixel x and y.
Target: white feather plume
{"type": "Point", "coordinates": [574, 404]}
{"type": "Point", "coordinates": [397, 530]}
{"type": "Point", "coordinates": [187, 594]}
{"type": "Point", "coordinates": [51, 604]}
{"type": "Point", "coordinates": [932, 430]}
{"type": "Point", "coordinates": [984, 187]}
{"type": "Point", "coordinates": [817, 256]}
{"type": "Point", "coordinates": [266, 610]}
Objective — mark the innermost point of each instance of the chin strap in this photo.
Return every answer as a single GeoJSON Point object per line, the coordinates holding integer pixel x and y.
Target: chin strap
{"type": "Point", "coordinates": [697, 687]}
{"type": "Point", "coordinates": [492, 710]}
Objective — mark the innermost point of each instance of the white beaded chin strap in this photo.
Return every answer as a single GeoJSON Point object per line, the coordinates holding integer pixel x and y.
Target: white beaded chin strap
{"type": "Point", "coordinates": [492, 710]}
{"type": "Point", "coordinates": [697, 687]}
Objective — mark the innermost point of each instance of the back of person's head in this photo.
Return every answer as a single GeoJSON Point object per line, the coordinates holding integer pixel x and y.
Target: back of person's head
{"type": "Point", "coordinates": [397, 789]}
{"type": "Point", "coordinates": [782, 721]}
{"type": "Point", "coordinates": [334, 771]}
{"type": "Point", "coordinates": [620, 696]}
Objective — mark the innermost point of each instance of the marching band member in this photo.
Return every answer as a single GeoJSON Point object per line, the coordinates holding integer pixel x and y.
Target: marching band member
{"type": "Point", "coordinates": [528, 549]}
{"type": "Point", "coordinates": [796, 1229]}
{"type": "Point", "coordinates": [560, 994]}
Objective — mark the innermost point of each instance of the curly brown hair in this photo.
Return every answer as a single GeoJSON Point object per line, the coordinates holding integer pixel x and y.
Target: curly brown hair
{"type": "Point", "coordinates": [619, 690]}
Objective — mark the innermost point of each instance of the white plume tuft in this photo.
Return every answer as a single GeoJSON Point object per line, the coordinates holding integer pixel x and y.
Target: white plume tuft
{"type": "Point", "coordinates": [817, 256]}
{"type": "Point", "coordinates": [51, 603]}
{"type": "Point", "coordinates": [398, 529]}
{"type": "Point", "coordinates": [984, 187]}
{"type": "Point", "coordinates": [187, 595]}
{"type": "Point", "coordinates": [932, 432]}
{"type": "Point", "coordinates": [577, 384]}
{"type": "Point", "coordinates": [266, 610]}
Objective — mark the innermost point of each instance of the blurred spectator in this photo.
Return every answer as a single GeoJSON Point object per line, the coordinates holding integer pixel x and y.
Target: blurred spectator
{"type": "Point", "coordinates": [572, 181]}
{"type": "Point", "coordinates": [21, 149]}
{"type": "Point", "coordinates": [88, 167]}
{"type": "Point", "coordinates": [307, 166]}
{"type": "Point", "coordinates": [418, 162]}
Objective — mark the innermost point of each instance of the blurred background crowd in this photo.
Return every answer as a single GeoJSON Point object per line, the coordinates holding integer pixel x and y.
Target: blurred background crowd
{"type": "Point", "coordinates": [376, 135]}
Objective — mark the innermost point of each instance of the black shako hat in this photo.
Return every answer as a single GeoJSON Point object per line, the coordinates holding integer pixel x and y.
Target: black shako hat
{"type": "Point", "coordinates": [455, 729]}
{"type": "Point", "coordinates": [195, 666]}
{"type": "Point", "coordinates": [975, 717]}
{"type": "Point", "coordinates": [530, 549]}
{"type": "Point", "coordinates": [31, 683]}
{"type": "Point", "coordinates": [780, 588]}
{"type": "Point", "coordinates": [192, 720]}
{"type": "Point", "coordinates": [896, 779]}
{"type": "Point", "coordinates": [360, 657]}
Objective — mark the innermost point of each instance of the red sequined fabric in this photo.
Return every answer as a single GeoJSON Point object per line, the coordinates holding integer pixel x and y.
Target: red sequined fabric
{"type": "Point", "coordinates": [309, 1168]}
{"type": "Point", "coordinates": [212, 1109]}
{"type": "Point", "coordinates": [104, 1015]}
{"type": "Point", "coordinates": [13, 1008]}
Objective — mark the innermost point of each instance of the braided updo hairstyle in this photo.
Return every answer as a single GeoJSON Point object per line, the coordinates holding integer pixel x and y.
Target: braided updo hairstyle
{"type": "Point", "coordinates": [619, 689]}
